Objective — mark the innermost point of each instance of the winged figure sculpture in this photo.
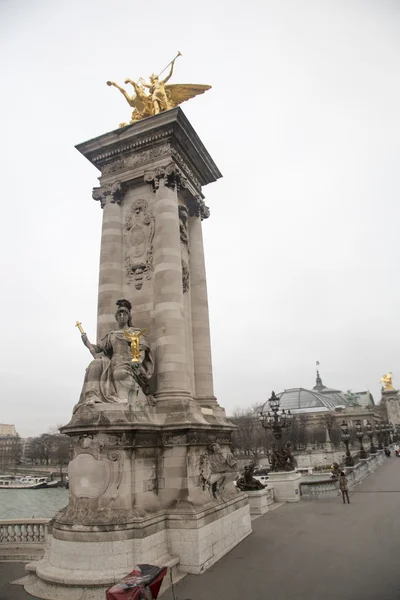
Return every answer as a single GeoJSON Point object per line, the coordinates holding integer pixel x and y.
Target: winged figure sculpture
{"type": "Point", "coordinates": [160, 96]}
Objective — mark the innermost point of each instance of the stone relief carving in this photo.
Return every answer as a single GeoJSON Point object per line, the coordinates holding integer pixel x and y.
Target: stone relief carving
{"type": "Point", "coordinates": [216, 471]}
{"type": "Point", "coordinates": [170, 439]}
{"type": "Point", "coordinates": [136, 145]}
{"type": "Point", "coordinates": [183, 225]}
{"type": "Point", "coordinates": [82, 513]}
{"type": "Point", "coordinates": [185, 167]}
{"type": "Point", "coordinates": [171, 175]}
{"type": "Point", "coordinates": [127, 162]}
{"type": "Point", "coordinates": [185, 277]}
{"type": "Point", "coordinates": [89, 477]}
{"type": "Point", "coordinates": [96, 471]}
{"type": "Point", "coordinates": [112, 191]}
{"type": "Point", "coordinates": [206, 439]}
{"type": "Point", "coordinates": [198, 208]}
{"type": "Point", "coordinates": [93, 444]}
{"type": "Point", "coordinates": [138, 235]}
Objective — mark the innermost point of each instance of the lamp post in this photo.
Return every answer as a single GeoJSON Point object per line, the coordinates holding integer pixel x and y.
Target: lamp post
{"type": "Point", "coordinates": [370, 434]}
{"type": "Point", "coordinates": [379, 433]}
{"type": "Point", "coordinates": [385, 428]}
{"type": "Point", "coordinates": [360, 435]}
{"type": "Point", "coordinates": [349, 462]}
{"type": "Point", "coordinates": [397, 433]}
{"type": "Point", "coordinates": [277, 420]}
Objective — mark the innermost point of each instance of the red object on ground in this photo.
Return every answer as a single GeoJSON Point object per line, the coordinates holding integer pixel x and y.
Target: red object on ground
{"type": "Point", "coordinates": [143, 582]}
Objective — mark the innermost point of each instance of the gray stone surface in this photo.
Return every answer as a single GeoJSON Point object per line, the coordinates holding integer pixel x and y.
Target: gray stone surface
{"type": "Point", "coordinates": [315, 550]}
{"type": "Point", "coordinates": [329, 550]}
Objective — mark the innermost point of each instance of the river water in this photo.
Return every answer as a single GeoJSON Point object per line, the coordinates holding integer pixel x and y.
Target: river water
{"type": "Point", "coordinates": [32, 504]}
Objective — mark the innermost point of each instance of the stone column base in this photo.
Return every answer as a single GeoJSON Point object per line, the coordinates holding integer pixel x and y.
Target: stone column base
{"type": "Point", "coordinates": [286, 485]}
{"type": "Point", "coordinates": [76, 569]}
{"type": "Point", "coordinates": [201, 539]}
{"type": "Point", "coordinates": [258, 501]}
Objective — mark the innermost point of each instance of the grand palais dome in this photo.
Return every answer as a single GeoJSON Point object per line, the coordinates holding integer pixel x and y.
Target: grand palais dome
{"type": "Point", "coordinates": [319, 399]}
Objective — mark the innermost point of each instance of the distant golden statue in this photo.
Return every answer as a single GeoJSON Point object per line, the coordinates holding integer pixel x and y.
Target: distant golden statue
{"type": "Point", "coordinates": [161, 97]}
{"type": "Point", "coordinates": [387, 381]}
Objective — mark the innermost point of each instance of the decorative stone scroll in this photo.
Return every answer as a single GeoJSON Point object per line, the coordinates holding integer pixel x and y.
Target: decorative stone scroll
{"type": "Point", "coordinates": [205, 438]}
{"type": "Point", "coordinates": [171, 175]}
{"type": "Point", "coordinates": [138, 236]}
{"type": "Point", "coordinates": [112, 191]}
{"type": "Point", "coordinates": [171, 439]}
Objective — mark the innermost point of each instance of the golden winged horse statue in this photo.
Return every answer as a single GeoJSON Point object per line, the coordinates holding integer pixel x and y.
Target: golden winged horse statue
{"type": "Point", "coordinates": [160, 97]}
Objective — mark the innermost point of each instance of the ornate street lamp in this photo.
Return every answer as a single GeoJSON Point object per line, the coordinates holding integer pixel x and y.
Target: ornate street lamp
{"type": "Point", "coordinates": [379, 433]}
{"type": "Point", "coordinates": [277, 420]}
{"type": "Point", "coordinates": [360, 435]}
{"type": "Point", "coordinates": [370, 434]}
{"type": "Point", "coordinates": [345, 437]}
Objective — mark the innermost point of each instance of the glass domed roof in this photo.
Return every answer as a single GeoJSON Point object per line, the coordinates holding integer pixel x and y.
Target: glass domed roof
{"type": "Point", "coordinates": [319, 399]}
{"type": "Point", "coordinates": [302, 400]}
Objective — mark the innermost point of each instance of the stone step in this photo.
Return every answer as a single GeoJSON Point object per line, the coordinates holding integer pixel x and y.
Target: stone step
{"type": "Point", "coordinates": [22, 553]}
{"type": "Point", "coordinates": [275, 505]}
{"type": "Point", "coordinates": [172, 562]}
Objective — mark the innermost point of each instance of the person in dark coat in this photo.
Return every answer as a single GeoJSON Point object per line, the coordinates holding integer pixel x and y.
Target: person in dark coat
{"type": "Point", "coordinates": [344, 487]}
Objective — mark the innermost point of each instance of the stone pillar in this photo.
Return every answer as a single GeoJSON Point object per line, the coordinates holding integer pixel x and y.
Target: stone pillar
{"type": "Point", "coordinates": [173, 382]}
{"type": "Point", "coordinates": [200, 319]}
{"type": "Point", "coordinates": [390, 399]}
{"type": "Point", "coordinates": [111, 260]}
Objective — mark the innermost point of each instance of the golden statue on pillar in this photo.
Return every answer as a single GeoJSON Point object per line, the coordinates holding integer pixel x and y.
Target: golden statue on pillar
{"type": "Point", "coordinates": [161, 97]}
{"type": "Point", "coordinates": [387, 381]}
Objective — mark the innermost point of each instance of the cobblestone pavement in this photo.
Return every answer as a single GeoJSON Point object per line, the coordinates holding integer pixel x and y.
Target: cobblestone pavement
{"type": "Point", "coordinates": [310, 550]}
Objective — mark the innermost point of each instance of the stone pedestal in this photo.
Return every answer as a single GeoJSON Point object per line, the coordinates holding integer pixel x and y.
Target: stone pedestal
{"type": "Point", "coordinates": [286, 485]}
{"type": "Point", "coordinates": [153, 485]}
{"type": "Point", "coordinates": [380, 457]}
{"type": "Point", "coordinates": [259, 501]}
{"type": "Point", "coordinates": [391, 400]}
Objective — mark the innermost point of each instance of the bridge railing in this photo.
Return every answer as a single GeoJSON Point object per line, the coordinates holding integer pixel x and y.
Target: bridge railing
{"type": "Point", "coordinates": [316, 489]}
{"type": "Point", "coordinates": [355, 475]}
{"type": "Point", "coordinates": [23, 539]}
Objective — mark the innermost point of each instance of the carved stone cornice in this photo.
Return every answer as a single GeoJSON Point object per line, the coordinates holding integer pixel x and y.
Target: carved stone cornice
{"type": "Point", "coordinates": [197, 208]}
{"type": "Point", "coordinates": [170, 127]}
{"type": "Point", "coordinates": [170, 174]}
{"type": "Point", "coordinates": [114, 192]}
{"type": "Point", "coordinates": [136, 159]}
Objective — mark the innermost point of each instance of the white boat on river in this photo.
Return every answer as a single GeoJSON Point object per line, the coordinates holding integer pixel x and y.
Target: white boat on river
{"type": "Point", "coordinates": [10, 482]}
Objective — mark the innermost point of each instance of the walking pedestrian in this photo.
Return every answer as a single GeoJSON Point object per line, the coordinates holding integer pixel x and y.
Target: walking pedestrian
{"type": "Point", "coordinates": [396, 449]}
{"type": "Point", "coordinates": [344, 487]}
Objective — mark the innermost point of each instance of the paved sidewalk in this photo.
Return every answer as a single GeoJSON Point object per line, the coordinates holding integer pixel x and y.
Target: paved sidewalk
{"type": "Point", "coordinates": [310, 550]}
{"type": "Point", "coordinates": [315, 550]}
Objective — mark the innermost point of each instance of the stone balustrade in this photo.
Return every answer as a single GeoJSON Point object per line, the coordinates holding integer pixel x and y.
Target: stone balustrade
{"type": "Point", "coordinates": [315, 489]}
{"type": "Point", "coordinates": [23, 539]}
{"type": "Point", "coordinates": [355, 475]}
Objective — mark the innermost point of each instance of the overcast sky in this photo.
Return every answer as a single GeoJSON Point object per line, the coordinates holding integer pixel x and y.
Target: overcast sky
{"type": "Point", "coordinates": [302, 246]}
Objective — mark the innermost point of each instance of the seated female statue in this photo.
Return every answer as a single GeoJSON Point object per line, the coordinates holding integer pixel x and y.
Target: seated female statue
{"type": "Point", "coordinates": [112, 376]}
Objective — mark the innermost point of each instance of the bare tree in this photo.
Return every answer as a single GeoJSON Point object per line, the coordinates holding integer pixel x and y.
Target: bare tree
{"type": "Point", "coordinates": [49, 448]}
{"type": "Point", "coordinates": [249, 438]}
